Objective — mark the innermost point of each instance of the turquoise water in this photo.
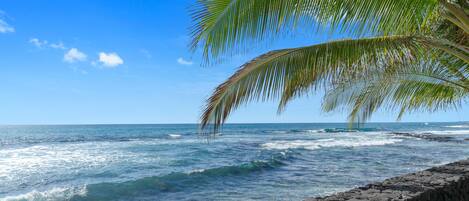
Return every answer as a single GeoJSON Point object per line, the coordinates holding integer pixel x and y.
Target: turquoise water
{"type": "Point", "coordinates": [243, 162]}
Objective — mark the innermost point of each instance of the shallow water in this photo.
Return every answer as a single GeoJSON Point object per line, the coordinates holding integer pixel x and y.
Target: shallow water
{"type": "Point", "coordinates": [245, 162]}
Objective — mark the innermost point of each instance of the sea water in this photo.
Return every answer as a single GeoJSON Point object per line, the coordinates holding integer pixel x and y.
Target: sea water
{"type": "Point", "coordinates": [242, 162]}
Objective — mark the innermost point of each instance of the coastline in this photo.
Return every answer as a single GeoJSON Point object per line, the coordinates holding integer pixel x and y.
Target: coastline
{"type": "Point", "coordinates": [448, 182]}
{"type": "Point", "coordinates": [250, 162]}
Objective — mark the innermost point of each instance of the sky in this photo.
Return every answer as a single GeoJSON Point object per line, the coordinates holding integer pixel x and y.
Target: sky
{"type": "Point", "coordinates": [128, 61]}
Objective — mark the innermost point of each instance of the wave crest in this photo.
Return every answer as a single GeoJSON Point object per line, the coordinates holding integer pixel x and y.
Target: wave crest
{"type": "Point", "coordinates": [458, 126]}
{"type": "Point", "coordinates": [58, 193]}
{"type": "Point", "coordinates": [175, 181]}
{"type": "Point", "coordinates": [317, 144]}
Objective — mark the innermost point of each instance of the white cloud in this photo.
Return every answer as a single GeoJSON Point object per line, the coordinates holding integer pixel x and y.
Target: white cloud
{"type": "Point", "coordinates": [44, 43]}
{"type": "Point", "coordinates": [74, 55]}
{"type": "Point", "coordinates": [5, 27]}
{"type": "Point", "coordinates": [110, 60]}
{"type": "Point", "coordinates": [58, 45]}
{"type": "Point", "coordinates": [182, 61]}
{"type": "Point", "coordinates": [37, 42]}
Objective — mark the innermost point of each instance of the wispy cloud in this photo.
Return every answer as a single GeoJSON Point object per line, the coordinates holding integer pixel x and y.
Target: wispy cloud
{"type": "Point", "coordinates": [110, 60]}
{"type": "Point", "coordinates": [58, 45]}
{"type": "Point", "coordinates": [44, 43]}
{"type": "Point", "coordinates": [74, 55]}
{"type": "Point", "coordinates": [38, 43]}
{"type": "Point", "coordinates": [5, 27]}
{"type": "Point", "coordinates": [182, 61]}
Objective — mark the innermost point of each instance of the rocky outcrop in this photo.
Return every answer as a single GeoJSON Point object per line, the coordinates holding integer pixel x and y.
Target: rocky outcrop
{"type": "Point", "coordinates": [426, 136]}
{"type": "Point", "coordinates": [445, 183]}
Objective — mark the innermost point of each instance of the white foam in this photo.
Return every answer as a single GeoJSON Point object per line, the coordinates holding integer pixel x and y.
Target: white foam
{"type": "Point", "coordinates": [196, 171]}
{"type": "Point", "coordinates": [449, 132]}
{"type": "Point", "coordinates": [331, 142]}
{"type": "Point", "coordinates": [174, 136]}
{"type": "Point", "coordinates": [57, 193]}
{"type": "Point", "coordinates": [316, 131]}
{"type": "Point", "coordinates": [458, 126]}
{"type": "Point", "coordinates": [27, 164]}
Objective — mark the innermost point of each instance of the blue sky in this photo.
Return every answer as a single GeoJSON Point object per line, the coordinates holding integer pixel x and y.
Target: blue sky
{"type": "Point", "coordinates": [88, 61]}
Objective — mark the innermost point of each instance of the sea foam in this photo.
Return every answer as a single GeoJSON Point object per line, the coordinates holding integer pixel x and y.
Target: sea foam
{"type": "Point", "coordinates": [458, 126]}
{"type": "Point", "coordinates": [57, 193]}
{"type": "Point", "coordinates": [448, 132]}
{"type": "Point", "coordinates": [322, 143]}
{"type": "Point", "coordinates": [174, 136]}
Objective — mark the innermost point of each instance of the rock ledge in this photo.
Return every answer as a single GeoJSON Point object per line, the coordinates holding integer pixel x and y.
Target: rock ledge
{"type": "Point", "coordinates": [444, 183]}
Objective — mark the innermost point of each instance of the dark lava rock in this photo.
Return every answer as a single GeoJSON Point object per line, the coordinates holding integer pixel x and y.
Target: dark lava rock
{"type": "Point", "coordinates": [445, 183]}
{"type": "Point", "coordinates": [426, 136]}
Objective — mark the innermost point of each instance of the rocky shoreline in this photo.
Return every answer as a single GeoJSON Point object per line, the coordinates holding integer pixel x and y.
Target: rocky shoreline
{"type": "Point", "coordinates": [426, 136]}
{"type": "Point", "coordinates": [444, 183]}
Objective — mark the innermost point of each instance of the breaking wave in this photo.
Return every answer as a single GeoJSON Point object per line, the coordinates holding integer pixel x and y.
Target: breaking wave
{"type": "Point", "coordinates": [323, 143]}
{"type": "Point", "coordinates": [458, 126]}
{"type": "Point", "coordinates": [172, 182]}
{"type": "Point", "coordinates": [58, 193]}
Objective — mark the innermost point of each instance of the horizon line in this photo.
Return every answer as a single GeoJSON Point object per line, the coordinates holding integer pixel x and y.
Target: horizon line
{"type": "Point", "coordinates": [233, 123]}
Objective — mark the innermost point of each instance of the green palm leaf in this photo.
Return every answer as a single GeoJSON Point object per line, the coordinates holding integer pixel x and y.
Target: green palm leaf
{"type": "Point", "coordinates": [222, 26]}
{"type": "Point", "coordinates": [427, 86]}
{"type": "Point", "coordinates": [273, 74]}
{"type": "Point", "coordinates": [404, 33]}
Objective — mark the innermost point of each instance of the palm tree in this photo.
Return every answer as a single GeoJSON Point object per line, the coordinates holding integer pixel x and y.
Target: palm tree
{"type": "Point", "coordinates": [405, 45]}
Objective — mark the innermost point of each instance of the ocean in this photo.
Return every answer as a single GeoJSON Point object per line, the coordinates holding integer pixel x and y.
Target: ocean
{"type": "Point", "coordinates": [242, 162]}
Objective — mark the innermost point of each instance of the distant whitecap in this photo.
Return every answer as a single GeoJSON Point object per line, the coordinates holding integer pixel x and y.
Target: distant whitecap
{"type": "Point", "coordinates": [174, 136]}
{"type": "Point", "coordinates": [458, 126]}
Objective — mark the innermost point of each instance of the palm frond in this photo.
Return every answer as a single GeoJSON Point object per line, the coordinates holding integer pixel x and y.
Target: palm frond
{"type": "Point", "coordinates": [275, 73]}
{"type": "Point", "coordinates": [422, 86]}
{"type": "Point", "coordinates": [222, 26]}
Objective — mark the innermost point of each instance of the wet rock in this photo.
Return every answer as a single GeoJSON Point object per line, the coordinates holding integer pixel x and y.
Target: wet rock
{"type": "Point", "coordinates": [426, 136]}
{"type": "Point", "coordinates": [445, 183]}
